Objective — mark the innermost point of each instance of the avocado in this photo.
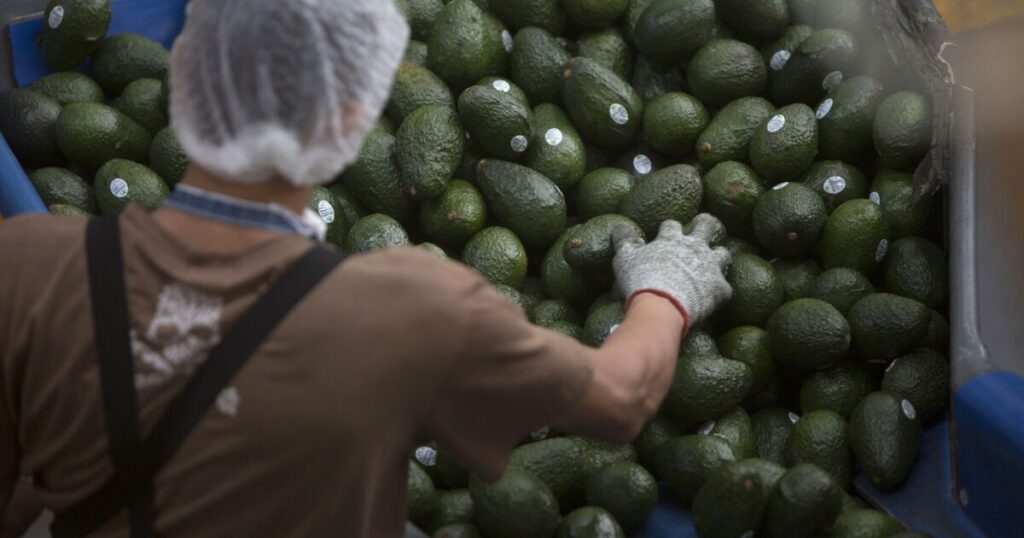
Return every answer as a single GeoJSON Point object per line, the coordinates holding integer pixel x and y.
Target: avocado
{"type": "Point", "coordinates": [543, 14]}
{"type": "Point", "coordinates": [601, 323]}
{"type": "Point", "coordinates": [91, 134]}
{"type": "Point", "coordinates": [599, 454]}
{"type": "Point", "coordinates": [884, 326]}
{"type": "Point", "coordinates": [28, 122]}
{"type": "Point", "coordinates": [836, 182]}
{"type": "Point", "coordinates": [140, 101]}
{"type": "Point", "coordinates": [749, 345]}
{"type": "Point", "coordinates": [798, 276]}
{"type": "Point", "coordinates": [856, 236]}
{"type": "Point", "coordinates": [589, 522]}
{"type": "Point", "coordinates": [513, 295]}
{"type": "Point", "coordinates": [731, 190]}
{"type": "Point", "coordinates": [375, 232]}
{"type": "Point", "coordinates": [562, 281]}
{"type": "Point", "coordinates": [518, 504]}
{"type": "Point", "coordinates": [756, 291]}
{"type": "Point", "coordinates": [884, 434]}
{"type": "Point", "coordinates": [804, 504]}
{"type": "Point", "coordinates": [671, 31]}
{"type": "Point", "coordinates": [454, 506]}
{"type": "Point", "coordinates": [705, 387]}
{"type": "Point", "coordinates": [923, 378]}
{"type": "Point", "coordinates": [735, 428]}
{"type": "Point", "coordinates": [670, 193]}
{"type": "Point", "coordinates": [572, 330]}
{"type": "Point", "coordinates": [769, 396]}
{"type": "Point", "coordinates": [608, 48]}
{"type": "Point", "coordinates": [455, 216]}
{"type": "Point", "coordinates": [375, 180]}
{"type": "Point", "coordinates": [64, 210]}
{"type": "Point", "coordinates": [69, 87]}
{"type": "Point", "coordinates": [698, 342]}
{"type": "Point", "coordinates": [125, 58]}
{"type": "Point", "coordinates": [525, 201]}
{"type": "Point", "coordinates": [672, 123]}
{"type": "Point", "coordinates": [497, 122]}
{"type": "Point", "coordinates": [841, 287]}
{"type": "Point", "coordinates": [652, 80]}
{"type": "Point", "coordinates": [421, 495]}
{"type": "Point", "coordinates": [416, 86]}
{"type": "Point", "coordinates": [465, 45]}
{"type": "Point", "coordinates": [772, 427]}
{"type": "Point", "coordinates": [595, 13]}
{"type": "Point", "coordinates": [630, 18]}
{"type": "Point", "coordinates": [656, 433]}
{"type": "Point", "coordinates": [421, 15]}
{"type": "Point", "coordinates": [728, 136]}
{"type": "Point", "coordinates": [685, 463]}
{"type": "Point", "coordinates": [346, 206]}
{"type": "Point", "coordinates": [731, 503]}
{"type": "Point", "coordinates": [556, 149]}
{"type": "Point", "coordinates": [735, 246]}
{"type": "Point", "coordinates": [605, 108]}
{"type": "Point", "coordinates": [429, 148]}
{"type": "Point", "coordinates": [626, 490]}
{"type": "Point", "coordinates": [894, 193]}
{"type": "Point", "coordinates": [549, 311]}
{"type": "Point", "coordinates": [498, 254]}
{"type": "Point", "coordinates": [937, 336]}
{"type": "Point", "coordinates": [816, 66]}
{"type": "Point", "coordinates": [323, 203]}
{"type": "Point", "coordinates": [864, 523]}
{"type": "Point", "coordinates": [590, 248]}
{"type": "Point", "coordinates": [166, 156]}
{"type": "Point", "coordinates": [556, 462]}
{"type": "Point", "coordinates": [120, 181]}
{"type": "Point", "coordinates": [73, 30]}
{"type": "Point", "coordinates": [784, 146]}
{"type": "Point", "coordinates": [769, 472]}
{"type": "Point", "coordinates": [838, 388]}
{"type": "Point", "coordinates": [724, 70]}
{"type": "Point", "coordinates": [820, 437]}
{"type": "Point", "coordinates": [758, 21]}
{"type": "Point", "coordinates": [789, 220]}
{"type": "Point", "coordinates": [903, 129]}
{"type": "Point", "coordinates": [416, 54]}
{"type": "Point", "coordinates": [537, 64]}
{"type": "Point", "coordinates": [808, 334]}
{"type": "Point", "coordinates": [917, 268]}
{"type": "Point", "coordinates": [777, 53]}
{"type": "Point", "coordinates": [62, 186]}
{"type": "Point", "coordinates": [846, 119]}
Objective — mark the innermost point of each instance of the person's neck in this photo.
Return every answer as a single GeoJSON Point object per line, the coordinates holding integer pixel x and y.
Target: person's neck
{"type": "Point", "coordinates": [215, 236]}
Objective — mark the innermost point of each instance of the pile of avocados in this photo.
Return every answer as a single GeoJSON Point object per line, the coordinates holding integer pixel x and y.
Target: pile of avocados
{"type": "Point", "coordinates": [519, 133]}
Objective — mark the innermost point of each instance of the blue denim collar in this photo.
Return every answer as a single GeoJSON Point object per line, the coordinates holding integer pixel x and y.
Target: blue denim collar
{"type": "Point", "coordinates": [240, 212]}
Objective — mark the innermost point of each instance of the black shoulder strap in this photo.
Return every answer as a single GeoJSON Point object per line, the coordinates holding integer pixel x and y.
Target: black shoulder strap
{"type": "Point", "coordinates": [132, 484]}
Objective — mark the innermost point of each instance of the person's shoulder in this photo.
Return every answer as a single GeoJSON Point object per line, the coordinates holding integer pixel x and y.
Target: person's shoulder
{"type": "Point", "coordinates": [33, 235]}
{"type": "Point", "coordinates": [412, 266]}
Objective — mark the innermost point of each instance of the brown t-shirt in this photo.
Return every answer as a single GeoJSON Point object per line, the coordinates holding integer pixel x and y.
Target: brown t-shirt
{"type": "Point", "coordinates": [312, 436]}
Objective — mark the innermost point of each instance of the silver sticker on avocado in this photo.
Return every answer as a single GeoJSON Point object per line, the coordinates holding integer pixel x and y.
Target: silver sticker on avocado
{"type": "Point", "coordinates": [780, 186]}
{"type": "Point", "coordinates": [642, 164]}
{"type": "Point", "coordinates": [706, 428]}
{"type": "Point", "coordinates": [834, 185]}
{"type": "Point", "coordinates": [519, 143]}
{"type": "Point", "coordinates": [779, 60]}
{"type": "Point", "coordinates": [891, 364]}
{"type": "Point", "coordinates": [501, 85]}
{"type": "Point", "coordinates": [426, 456]}
{"type": "Point", "coordinates": [56, 17]}
{"type": "Point", "coordinates": [618, 113]}
{"type": "Point", "coordinates": [793, 417]}
{"type": "Point", "coordinates": [326, 211]}
{"type": "Point", "coordinates": [553, 137]}
{"type": "Point", "coordinates": [908, 409]}
{"type": "Point", "coordinates": [776, 123]}
{"type": "Point", "coordinates": [883, 247]}
{"type": "Point", "coordinates": [119, 188]}
{"type": "Point", "coordinates": [832, 80]}
{"type": "Point", "coordinates": [506, 39]}
{"type": "Point", "coordinates": [875, 197]}
{"type": "Point", "coordinates": [824, 108]}
{"type": "Point", "coordinates": [613, 328]}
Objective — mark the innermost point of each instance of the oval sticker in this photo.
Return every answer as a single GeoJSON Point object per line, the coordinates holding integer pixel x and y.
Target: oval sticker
{"type": "Point", "coordinates": [780, 186]}
{"type": "Point", "coordinates": [824, 108]}
{"type": "Point", "coordinates": [834, 185]}
{"type": "Point", "coordinates": [506, 39]}
{"type": "Point", "coordinates": [326, 211]}
{"type": "Point", "coordinates": [875, 197]}
{"type": "Point", "coordinates": [832, 80]}
{"type": "Point", "coordinates": [706, 428]}
{"type": "Point", "coordinates": [618, 113]}
{"type": "Point", "coordinates": [642, 164]}
{"type": "Point", "coordinates": [119, 188]}
{"type": "Point", "coordinates": [908, 409]}
{"type": "Point", "coordinates": [519, 143]}
{"type": "Point", "coordinates": [883, 247]}
{"type": "Point", "coordinates": [501, 85]}
{"type": "Point", "coordinates": [426, 456]}
{"type": "Point", "coordinates": [779, 60]}
{"type": "Point", "coordinates": [56, 17]}
{"type": "Point", "coordinates": [793, 417]}
{"type": "Point", "coordinates": [776, 123]}
{"type": "Point", "coordinates": [553, 137]}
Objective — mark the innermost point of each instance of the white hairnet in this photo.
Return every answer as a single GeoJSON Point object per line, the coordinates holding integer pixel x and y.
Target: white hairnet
{"type": "Point", "coordinates": [285, 88]}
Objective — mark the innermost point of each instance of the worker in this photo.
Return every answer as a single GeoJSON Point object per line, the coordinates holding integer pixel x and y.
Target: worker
{"type": "Point", "coordinates": [208, 369]}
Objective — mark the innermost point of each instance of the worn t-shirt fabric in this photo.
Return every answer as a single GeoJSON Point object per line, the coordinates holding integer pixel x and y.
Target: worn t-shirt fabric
{"type": "Point", "coordinates": [312, 437]}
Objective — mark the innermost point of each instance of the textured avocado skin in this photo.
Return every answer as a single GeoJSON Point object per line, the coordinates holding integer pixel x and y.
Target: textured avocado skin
{"type": "Point", "coordinates": [429, 147]}
{"type": "Point", "coordinates": [706, 387]}
{"type": "Point", "coordinates": [836, 182]}
{"type": "Point", "coordinates": [785, 153]}
{"type": "Point", "coordinates": [758, 20]}
{"type": "Point", "coordinates": [728, 136]}
{"type": "Point", "coordinates": [416, 86]}
{"type": "Point", "coordinates": [62, 186]}
{"type": "Point", "coordinates": [69, 87]}
{"type": "Point", "coordinates": [125, 58]}
{"type": "Point", "coordinates": [671, 31]}
{"type": "Point", "coordinates": [608, 48]}
{"type": "Point", "coordinates": [903, 129]}
{"type": "Point", "coordinates": [28, 121]}
{"type": "Point", "coordinates": [528, 203]}
{"type": "Point", "coordinates": [518, 504]}
{"type": "Point", "coordinates": [731, 503]}
{"type": "Point", "coordinates": [91, 134]}
{"type": "Point", "coordinates": [885, 438]}
{"type": "Point", "coordinates": [916, 268]}
{"type": "Point", "coordinates": [465, 45]}
{"type": "Point", "coordinates": [375, 232]}
{"type": "Point", "coordinates": [856, 236]}
{"type": "Point", "coordinates": [731, 190]}
{"type": "Point", "coordinates": [757, 291]}
{"type": "Point", "coordinates": [375, 179]}
{"type": "Point", "coordinates": [556, 149]}
{"type": "Point", "coordinates": [84, 24]}
{"type": "Point", "coordinates": [846, 124]}
{"type": "Point", "coordinates": [454, 216]}
{"type": "Point", "coordinates": [885, 326]}
{"type": "Point", "coordinates": [670, 193]}
{"type": "Point", "coordinates": [838, 388]}
{"type": "Point", "coordinates": [545, 14]}
{"type": "Point", "coordinates": [772, 427]}
{"type": "Point", "coordinates": [923, 378]}
{"type": "Point", "coordinates": [496, 121]}
{"type": "Point", "coordinates": [685, 463]}
{"type": "Point", "coordinates": [537, 64]}
{"type": "Point", "coordinates": [144, 187]}
{"type": "Point", "coordinates": [555, 461]}
{"type": "Point", "coordinates": [724, 70]}
{"type": "Point", "coordinates": [808, 334]}
{"type": "Point", "coordinates": [590, 249]}
{"type": "Point", "coordinates": [820, 437]}
{"type": "Point", "coordinates": [673, 121]}
{"type": "Point", "coordinates": [591, 93]}
{"type": "Point", "coordinates": [804, 504]}
{"type": "Point", "coordinates": [498, 255]}
{"type": "Point", "coordinates": [789, 220]}
{"type": "Point", "coordinates": [895, 194]}
{"type": "Point", "coordinates": [808, 73]}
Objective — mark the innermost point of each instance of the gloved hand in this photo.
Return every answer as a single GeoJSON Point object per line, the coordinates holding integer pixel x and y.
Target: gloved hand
{"type": "Point", "coordinates": [678, 267]}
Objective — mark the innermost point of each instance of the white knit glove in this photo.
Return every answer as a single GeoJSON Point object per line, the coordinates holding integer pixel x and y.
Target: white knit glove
{"type": "Point", "coordinates": [678, 267]}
